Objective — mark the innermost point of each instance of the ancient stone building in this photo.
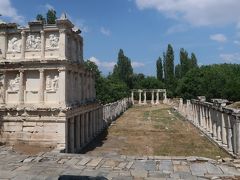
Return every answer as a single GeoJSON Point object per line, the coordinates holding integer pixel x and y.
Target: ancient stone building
{"type": "Point", "coordinates": [47, 97]}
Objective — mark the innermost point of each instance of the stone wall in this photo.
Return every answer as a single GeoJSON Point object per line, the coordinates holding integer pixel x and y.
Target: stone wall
{"type": "Point", "coordinates": [220, 124]}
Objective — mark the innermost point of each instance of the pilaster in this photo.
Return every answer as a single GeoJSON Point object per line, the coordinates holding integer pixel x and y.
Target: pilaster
{"type": "Point", "coordinates": [23, 47]}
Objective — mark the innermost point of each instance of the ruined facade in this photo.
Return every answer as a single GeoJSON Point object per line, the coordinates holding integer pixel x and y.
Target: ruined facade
{"type": "Point", "coordinates": [47, 97]}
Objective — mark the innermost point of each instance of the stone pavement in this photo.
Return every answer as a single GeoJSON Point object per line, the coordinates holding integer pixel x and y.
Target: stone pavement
{"type": "Point", "coordinates": [54, 165]}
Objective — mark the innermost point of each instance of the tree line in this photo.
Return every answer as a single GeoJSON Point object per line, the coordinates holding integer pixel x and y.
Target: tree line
{"type": "Point", "coordinates": [186, 79]}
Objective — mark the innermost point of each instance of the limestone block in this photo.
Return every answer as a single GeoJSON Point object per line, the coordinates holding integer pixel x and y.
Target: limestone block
{"type": "Point", "coordinates": [29, 124]}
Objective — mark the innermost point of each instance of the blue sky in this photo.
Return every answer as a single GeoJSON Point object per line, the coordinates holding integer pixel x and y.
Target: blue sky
{"type": "Point", "coordinates": [143, 28]}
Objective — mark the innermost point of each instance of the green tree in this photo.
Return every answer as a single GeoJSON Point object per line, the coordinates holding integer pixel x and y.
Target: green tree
{"type": "Point", "coordinates": [169, 70]}
{"type": "Point", "coordinates": [123, 69]}
{"type": "Point", "coordinates": [159, 69]}
{"type": "Point", "coordinates": [178, 71]}
{"type": "Point", "coordinates": [40, 17]}
{"type": "Point", "coordinates": [193, 61]}
{"type": "Point", "coordinates": [184, 62]}
{"type": "Point", "coordinates": [51, 16]}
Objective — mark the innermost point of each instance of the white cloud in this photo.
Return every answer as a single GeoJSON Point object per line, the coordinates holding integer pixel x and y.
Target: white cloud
{"type": "Point", "coordinates": [176, 29]}
{"type": "Point", "coordinates": [137, 64]}
{"type": "Point", "coordinates": [236, 42]}
{"type": "Point", "coordinates": [8, 11]}
{"type": "Point", "coordinates": [109, 65]}
{"type": "Point", "coordinates": [230, 57]}
{"type": "Point", "coordinates": [103, 64]}
{"type": "Point", "coordinates": [196, 12]}
{"type": "Point", "coordinates": [218, 37]}
{"type": "Point", "coordinates": [105, 31]}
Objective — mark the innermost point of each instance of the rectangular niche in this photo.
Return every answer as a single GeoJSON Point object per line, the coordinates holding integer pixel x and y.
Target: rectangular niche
{"type": "Point", "coordinates": [51, 93]}
{"type": "Point", "coordinates": [52, 45]}
{"type": "Point", "coordinates": [33, 45]}
{"type": "Point", "coordinates": [12, 86]}
{"type": "Point", "coordinates": [14, 45]}
{"type": "Point", "coordinates": [32, 79]}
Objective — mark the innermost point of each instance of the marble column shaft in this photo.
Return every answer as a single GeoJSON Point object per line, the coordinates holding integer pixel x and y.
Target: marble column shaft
{"type": "Point", "coordinates": [21, 88]}
{"type": "Point", "coordinates": [41, 87]}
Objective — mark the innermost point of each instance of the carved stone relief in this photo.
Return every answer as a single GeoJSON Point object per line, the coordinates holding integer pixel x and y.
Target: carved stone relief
{"type": "Point", "coordinates": [53, 41]}
{"type": "Point", "coordinates": [52, 82]}
{"type": "Point", "coordinates": [14, 44]}
{"type": "Point", "coordinates": [13, 84]}
{"type": "Point", "coordinates": [33, 42]}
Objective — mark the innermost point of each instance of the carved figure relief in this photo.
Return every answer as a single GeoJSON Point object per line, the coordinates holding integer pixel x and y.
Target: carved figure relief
{"type": "Point", "coordinates": [52, 83]}
{"type": "Point", "coordinates": [14, 45]}
{"type": "Point", "coordinates": [14, 84]}
{"type": "Point", "coordinates": [53, 41]}
{"type": "Point", "coordinates": [33, 42]}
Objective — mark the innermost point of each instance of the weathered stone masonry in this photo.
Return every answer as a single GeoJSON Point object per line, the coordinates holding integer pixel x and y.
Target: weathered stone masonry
{"type": "Point", "coordinates": [47, 97]}
{"type": "Point", "coordinates": [221, 124]}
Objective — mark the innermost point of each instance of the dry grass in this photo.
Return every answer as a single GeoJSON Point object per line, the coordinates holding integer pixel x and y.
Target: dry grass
{"type": "Point", "coordinates": [156, 130]}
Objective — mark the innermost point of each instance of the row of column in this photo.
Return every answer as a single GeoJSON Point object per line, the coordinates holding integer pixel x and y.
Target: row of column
{"type": "Point", "coordinates": [80, 87]}
{"type": "Point", "coordinates": [220, 124]}
{"type": "Point", "coordinates": [83, 128]}
{"type": "Point", "coordinates": [113, 110]}
{"type": "Point", "coordinates": [145, 97]}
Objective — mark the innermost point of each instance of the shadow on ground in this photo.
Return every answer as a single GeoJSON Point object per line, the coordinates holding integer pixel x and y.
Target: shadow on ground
{"type": "Point", "coordinates": [97, 142]}
{"type": "Point", "coordinates": [69, 177]}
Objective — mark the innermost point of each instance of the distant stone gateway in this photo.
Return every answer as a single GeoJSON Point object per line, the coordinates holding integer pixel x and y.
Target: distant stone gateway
{"type": "Point", "coordinates": [47, 96]}
{"type": "Point", "coordinates": [153, 93]}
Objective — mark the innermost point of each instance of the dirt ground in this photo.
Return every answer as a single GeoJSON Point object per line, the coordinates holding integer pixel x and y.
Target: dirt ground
{"type": "Point", "coordinates": [157, 130]}
{"type": "Point", "coordinates": [30, 149]}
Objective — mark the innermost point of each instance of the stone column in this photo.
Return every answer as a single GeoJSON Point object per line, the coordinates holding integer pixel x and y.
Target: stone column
{"type": "Point", "coordinates": [219, 121]}
{"type": "Point", "coordinates": [145, 97]}
{"type": "Point", "coordinates": [78, 133]}
{"type": "Point", "coordinates": [86, 125]}
{"type": "Point", "coordinates": [165, 97]}
{"type": "Point", "coordinates": [94, 87]}
{"type": "Point", "coordinates": [84, 82]}
{"type": "Point", "coordinates": [157, 99]}
{"type": "Point", "coordinates": [42, 45]}
{"type": "Point", "coordinates": [21, 88]}
{"type": "Point", "coordinates": [132, 93]}
{"type": "Point", "coordinates": [229, 133]}
{"type": "Point", "coordinates": [237, 134]}
{"type": "Point", "coordinates": [81, 87]}
{"type": "Point", "coordinates": [224, 132]}
{"type": "Point", "coordinates": [152, 101]}
{"type": "Point", "coordinates": [3, 88]}
{"type": "Point", "coordinates": [3, 46]}
{"type": "Point", "coordinates": [140, 97]}
{"type": "Point", "coordinates": [63, 94]}
{"type": "Point", "coordinates": [23, 48]}
{"type": "Point", "coordinates": [63, 44]}
{"type": "Point", "coordinates": [82, 130]}
{"type": "Point", "coordinates": [41, 86]}
{"type": "Point", "coordinates": [71, 135]}
{"type": "Point", "coordinates": [214, 124]}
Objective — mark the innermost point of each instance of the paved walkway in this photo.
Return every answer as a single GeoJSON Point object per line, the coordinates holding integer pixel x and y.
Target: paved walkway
{"type": "Point", "coordinates": [54, 165]}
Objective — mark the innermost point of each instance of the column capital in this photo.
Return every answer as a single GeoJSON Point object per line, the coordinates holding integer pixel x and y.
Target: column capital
{"type": "Point", "coordinates": [41, 70]}
{"type": "Point", "coordinates": [42, 32]}
{"type": "Point", "coordinates": [61, 69]}
{"type": "Point", "coordinates": [23, 33]}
